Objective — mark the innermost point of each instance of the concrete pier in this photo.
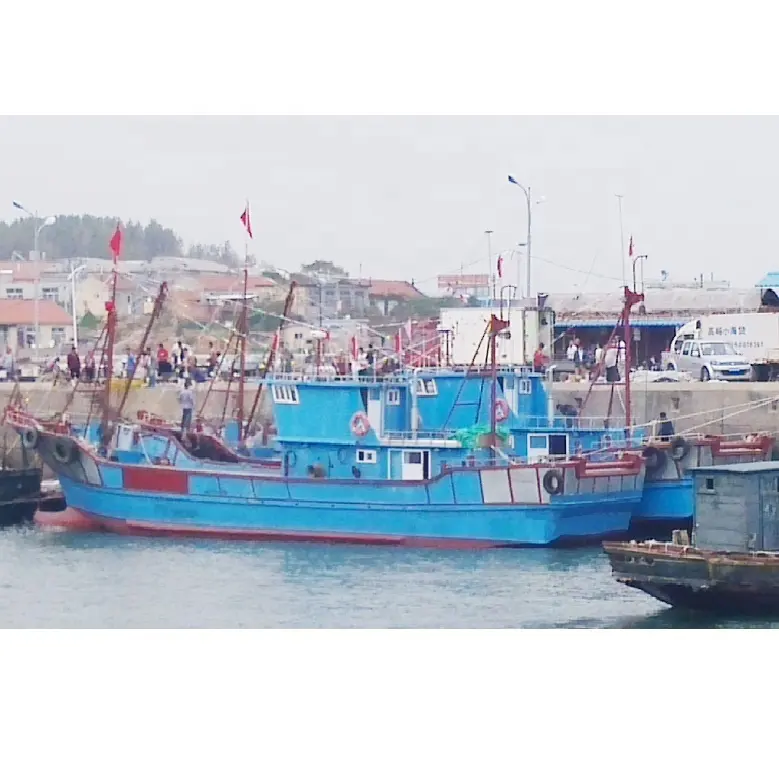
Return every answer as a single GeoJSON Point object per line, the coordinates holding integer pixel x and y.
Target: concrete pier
{"type": "Point", "coordinates": [706, 408]}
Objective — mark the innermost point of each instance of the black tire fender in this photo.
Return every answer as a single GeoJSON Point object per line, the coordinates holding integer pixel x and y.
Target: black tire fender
{"type": "Point", "coordinates": [553, 481]}
{"type": "Point", "coordinates": [64, 451]}
{"type": "Point", "coordinates": [30, 439]}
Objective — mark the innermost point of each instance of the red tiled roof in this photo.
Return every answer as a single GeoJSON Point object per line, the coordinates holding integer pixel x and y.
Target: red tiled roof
{"type": "Point", "coordinates": [394, 289]}
{"type": "Point", "coordinates": [22, 312]}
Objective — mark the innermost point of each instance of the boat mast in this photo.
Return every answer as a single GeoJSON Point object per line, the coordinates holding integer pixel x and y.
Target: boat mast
{"type": "Point", "coordinates": [269, 363]}
{"type": "Point", "coordinates": [155, 314]}
{"type": "Point", "coordinates": [494, 380]}
{"type": "Point", "coordinates": [111, 321]}
{"type": "Point", "coordinates": [242, 338]}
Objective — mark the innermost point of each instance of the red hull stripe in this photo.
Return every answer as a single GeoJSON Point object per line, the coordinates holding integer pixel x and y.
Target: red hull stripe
{"type": "Point", "coordinates": [156, 480]}
{"type": "Point", "coordinates": [214, 533]}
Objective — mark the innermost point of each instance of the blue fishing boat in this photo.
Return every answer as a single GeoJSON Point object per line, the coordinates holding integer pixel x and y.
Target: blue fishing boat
{"type": "Point", "coordinates": [356, 467]}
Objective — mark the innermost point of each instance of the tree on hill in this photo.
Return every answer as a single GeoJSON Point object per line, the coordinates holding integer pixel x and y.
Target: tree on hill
{"type": "Point", "coordinates": [88, 236]}
{"type": "Point", "coordinates": [324, 269]}
{"type": "Point", "coordinates": [426, 307]}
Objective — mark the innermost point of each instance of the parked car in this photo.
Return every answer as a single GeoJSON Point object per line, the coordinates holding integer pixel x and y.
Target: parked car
{"type": "Point", "coordinates": [707, 360]}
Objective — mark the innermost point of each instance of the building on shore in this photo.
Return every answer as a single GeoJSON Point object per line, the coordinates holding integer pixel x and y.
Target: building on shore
{"type": "Point", "coordinates": [591, 317]}
{"type": "Point", "coordinates": [18, 319]}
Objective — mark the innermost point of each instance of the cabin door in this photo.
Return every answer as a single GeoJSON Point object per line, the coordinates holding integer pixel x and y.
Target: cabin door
{"type": "Point", "coordinates": [558, 445]}
{"type": "Point", "coordinates": [537, 447]}
{"type": "Point", "coordinates": [374, 409]}
{"type": "Point", "coordinates": [416, 465]}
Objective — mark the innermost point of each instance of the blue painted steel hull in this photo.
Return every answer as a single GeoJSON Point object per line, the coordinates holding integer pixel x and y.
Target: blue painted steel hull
{"type": "Point", "coordinates": [667, 501]}
{"type": "Point", "coordinates": [575, 519]}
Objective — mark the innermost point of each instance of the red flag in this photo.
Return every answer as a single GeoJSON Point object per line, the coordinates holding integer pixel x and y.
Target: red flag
{"type": "Point", "coordinates": [354, 347]}
{"type": "Point", "coordinates": [500, 266]}
{"type": "Point", "coordinates": [398, 342]}
{"type": "Point", "coordinates": [630, 248]}
{"type": "Point", "coordinates": [246, 219]}
{"type": "Point", "coordinates": [116, 243]}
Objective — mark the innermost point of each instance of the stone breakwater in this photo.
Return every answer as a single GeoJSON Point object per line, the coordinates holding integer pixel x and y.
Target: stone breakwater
{"type": "Point", "coordinates": [694, 407]}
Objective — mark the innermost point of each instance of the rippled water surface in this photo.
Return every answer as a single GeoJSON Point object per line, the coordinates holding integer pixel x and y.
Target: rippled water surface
{"type": "Point", "coordinates": [58, 580]}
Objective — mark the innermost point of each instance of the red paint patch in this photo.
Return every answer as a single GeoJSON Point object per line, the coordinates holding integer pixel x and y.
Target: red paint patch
{"type": "Point", "coordinates": [168, 480]}
{"type": "Point", "coordinates": [69, 520]}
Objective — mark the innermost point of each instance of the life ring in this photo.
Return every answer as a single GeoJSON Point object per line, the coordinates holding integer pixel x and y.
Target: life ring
{"type": "Point", "coordinates": [655, 459]}
{"type": "Point", "coordinates": [360, 424]}
{"type": "Point", "coordinates": [64, 451]}
{"type": "Point", "coordinates": [553, 481]}
{"type": "Point", "coordinates": [502, 410]}
{"type": "Point", "coordinates": [30, 439]}
{"type": "Point", "coordinates": [679, 448]}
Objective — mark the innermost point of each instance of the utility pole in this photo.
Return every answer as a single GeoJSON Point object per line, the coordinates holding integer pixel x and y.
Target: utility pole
{"type": "Point", "coordinates": [491, 280]}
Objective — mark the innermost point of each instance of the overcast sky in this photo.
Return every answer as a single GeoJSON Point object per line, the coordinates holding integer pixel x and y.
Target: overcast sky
{"type": "Point", "coordinates": [411, 197]}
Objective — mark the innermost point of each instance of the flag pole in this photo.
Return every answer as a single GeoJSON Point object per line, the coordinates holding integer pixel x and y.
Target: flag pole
{"type": "Point", "coordinates": [244, 326]}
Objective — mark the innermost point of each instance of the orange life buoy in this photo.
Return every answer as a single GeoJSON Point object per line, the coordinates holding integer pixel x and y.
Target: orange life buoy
{"type": "Point", "coordinates": [360, 424]}
{"type": "Point", "coordinates": [502, 411]}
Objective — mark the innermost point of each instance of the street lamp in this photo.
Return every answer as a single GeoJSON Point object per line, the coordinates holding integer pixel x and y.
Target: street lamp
{"type": "Point", "coordinates": [529, 199]}
{"type": "Point", "coordinates": [46, 222]}
{"type": "Point", "coordinates": [72, 278]}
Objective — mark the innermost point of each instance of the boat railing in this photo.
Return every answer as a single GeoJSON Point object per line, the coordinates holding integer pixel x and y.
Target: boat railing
{"type": "Point", "coordinates": [373, 375]}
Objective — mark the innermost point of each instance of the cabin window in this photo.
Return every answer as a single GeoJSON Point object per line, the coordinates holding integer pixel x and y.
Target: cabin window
{"type": "Point", "coordinates": [366, 456]}
{"type": "Point", "coordinates": [412, 458]}
{"type": "Point", "coordinates": [393, 396]}
{"type": "Point", "coordinates": [286, 394]}
{"type": "Point", "coordinates": [525, 386]}
{"type": "Point", "coordinates": [708, 485]}
{"type": "Point", "coordinates": [537, 442]}
{"type": "Point", "coordinates": [426, 388]}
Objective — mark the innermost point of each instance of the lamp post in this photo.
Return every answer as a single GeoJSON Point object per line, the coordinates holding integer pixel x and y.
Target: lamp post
{"type": "Point", "coordinates": [529, 199]}
{"type": "Point", "coordinates": [72, 277]}
{"type": "Point", "coordinates": [46, 222]}
{"type": "Point", "coordinates": [490, 292]}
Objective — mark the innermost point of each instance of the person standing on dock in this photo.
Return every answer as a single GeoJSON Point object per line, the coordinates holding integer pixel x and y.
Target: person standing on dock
{"type": "Point", "coordinates": [540, 359]}
{"type": "Point", "coordinates": [610, 360]}
{"type": "Point", "coordinates": [74, 364]}
{"type": "Point", "coordinates": [187, 402]}
{"type": "Point", "coordinates": [665, 429]}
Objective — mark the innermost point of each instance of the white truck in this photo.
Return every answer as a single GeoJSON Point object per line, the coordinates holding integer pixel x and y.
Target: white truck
{"type": "Point", "coordinates": [751, 340]}
{"type": "Point", "coordinates": [462, 328]}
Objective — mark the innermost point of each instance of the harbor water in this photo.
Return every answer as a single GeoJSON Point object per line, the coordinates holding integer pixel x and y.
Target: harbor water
{"type": "Point", "coordinates": [51, 580]}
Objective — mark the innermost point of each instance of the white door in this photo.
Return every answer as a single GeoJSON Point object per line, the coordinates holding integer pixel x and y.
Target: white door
{"type": "Point", "coordinates": [537, 447]}
{"type": "Point", "coordinates": [374, 409]}
{"type": "Point", "coordinates": [413, 465]}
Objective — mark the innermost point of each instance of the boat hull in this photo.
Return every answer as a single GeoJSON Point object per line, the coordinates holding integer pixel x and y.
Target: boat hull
{"type": "Point", "coordinates": [664, 506]}
{"type": "Point", "coordinates": [739, 584]}
{"type": "Point", "coordinates": [576, 521]}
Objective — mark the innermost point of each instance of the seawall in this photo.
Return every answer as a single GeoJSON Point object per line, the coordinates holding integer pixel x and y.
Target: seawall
{"type": "Point", "coordinates": [708, 408]}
